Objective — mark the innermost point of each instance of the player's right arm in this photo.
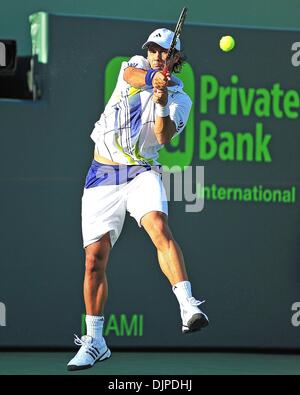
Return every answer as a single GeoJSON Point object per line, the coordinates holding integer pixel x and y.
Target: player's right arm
{"type": "Point", "coordinates": [136, 77]}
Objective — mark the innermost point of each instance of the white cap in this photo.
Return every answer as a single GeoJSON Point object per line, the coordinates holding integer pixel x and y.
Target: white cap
{"type": "Point", "coordinates": [162, 37]}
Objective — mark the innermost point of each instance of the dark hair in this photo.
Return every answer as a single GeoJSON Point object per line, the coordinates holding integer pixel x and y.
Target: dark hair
{"type": "Point", "coordinates": [182, 59]}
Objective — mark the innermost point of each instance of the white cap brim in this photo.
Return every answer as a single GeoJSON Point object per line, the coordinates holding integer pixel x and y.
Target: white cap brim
{"type": "Point", "coordinates": [162, 37]}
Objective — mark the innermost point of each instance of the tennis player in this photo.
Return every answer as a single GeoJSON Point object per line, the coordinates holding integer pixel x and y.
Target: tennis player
{"type": "Point", "coordinates": [146, 110]}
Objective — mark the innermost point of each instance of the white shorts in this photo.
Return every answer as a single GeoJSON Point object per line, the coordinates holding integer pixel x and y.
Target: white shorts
{"type": "Point", "coordinates": [104, 207]}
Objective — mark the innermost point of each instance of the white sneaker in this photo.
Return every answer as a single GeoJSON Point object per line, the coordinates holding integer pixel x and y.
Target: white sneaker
{"type": "Point", "coordinates": [193, 319]}
{"type": "Point", "coordinates": [89, 352]}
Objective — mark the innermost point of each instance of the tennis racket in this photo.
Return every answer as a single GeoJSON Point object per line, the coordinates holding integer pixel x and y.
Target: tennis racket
{"type": "Point", "coordinates": [177, 33]}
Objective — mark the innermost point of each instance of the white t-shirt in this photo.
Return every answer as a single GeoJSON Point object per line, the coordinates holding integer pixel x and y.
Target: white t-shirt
{"type": "Point", "coordinates": [125, 130]}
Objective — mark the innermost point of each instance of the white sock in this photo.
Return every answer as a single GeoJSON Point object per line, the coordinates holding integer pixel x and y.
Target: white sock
{"type": "Point", "coordinates": [182, 291]}
{"type": "Point", "coordinates": [94, 326]}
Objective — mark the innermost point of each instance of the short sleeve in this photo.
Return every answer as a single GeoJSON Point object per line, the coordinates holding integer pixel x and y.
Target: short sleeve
{"type": "Point", "coordinates": [179, 112]}
{"type": "Point", "coordinates": [139, 62]}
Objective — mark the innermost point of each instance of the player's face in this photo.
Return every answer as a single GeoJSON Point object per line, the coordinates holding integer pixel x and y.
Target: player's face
{"type": "Point", "coordinates": [157, 56]}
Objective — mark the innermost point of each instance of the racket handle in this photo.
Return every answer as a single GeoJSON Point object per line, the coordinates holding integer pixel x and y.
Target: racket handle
{"type": "Point", "coordinates": [166, 72]}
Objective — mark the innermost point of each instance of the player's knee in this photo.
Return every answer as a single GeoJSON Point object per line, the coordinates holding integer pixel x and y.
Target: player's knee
{"type": "Point", "coordinates": [161, 234]}
{"type": "Point", "coordinates": [95, 262]}
{"type": "Point", "coordinates": [96, 255]}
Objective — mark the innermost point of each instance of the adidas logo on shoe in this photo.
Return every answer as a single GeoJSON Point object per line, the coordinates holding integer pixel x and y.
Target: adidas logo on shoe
{"type": "Point", "coordinates": [90, 352]}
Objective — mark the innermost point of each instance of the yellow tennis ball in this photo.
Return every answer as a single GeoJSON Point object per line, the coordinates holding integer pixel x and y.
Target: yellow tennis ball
{"type": "Point", "coordinates": [227, 43]}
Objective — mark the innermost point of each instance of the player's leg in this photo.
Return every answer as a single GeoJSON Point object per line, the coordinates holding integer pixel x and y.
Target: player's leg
{"type": "Point", "coordinates": [147, 203]}
{"type": "Point", "coordinates": [169, 253]}
{"type": "Point", "coordinates": [93, 346]}
{"type": "Point", "coordinates": [103, 213]}
{"type": "Point", "coordinates": [95, 281]}
{"type": "Point", "coordinates": [171, 261]}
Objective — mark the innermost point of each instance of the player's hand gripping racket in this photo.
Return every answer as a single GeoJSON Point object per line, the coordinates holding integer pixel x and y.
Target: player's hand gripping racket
{"type": "Point", "coordinates": [177, 33]}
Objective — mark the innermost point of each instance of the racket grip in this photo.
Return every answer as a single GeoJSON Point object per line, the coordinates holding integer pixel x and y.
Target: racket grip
{"type": "Point", "coordinates": [166, 72]}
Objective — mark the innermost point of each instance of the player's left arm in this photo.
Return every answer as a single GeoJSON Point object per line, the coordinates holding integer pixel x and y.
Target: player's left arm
{"type": "Point", "coordinates": [164, 127]}
{"type": "Point", "coordinates": [170, 118]}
